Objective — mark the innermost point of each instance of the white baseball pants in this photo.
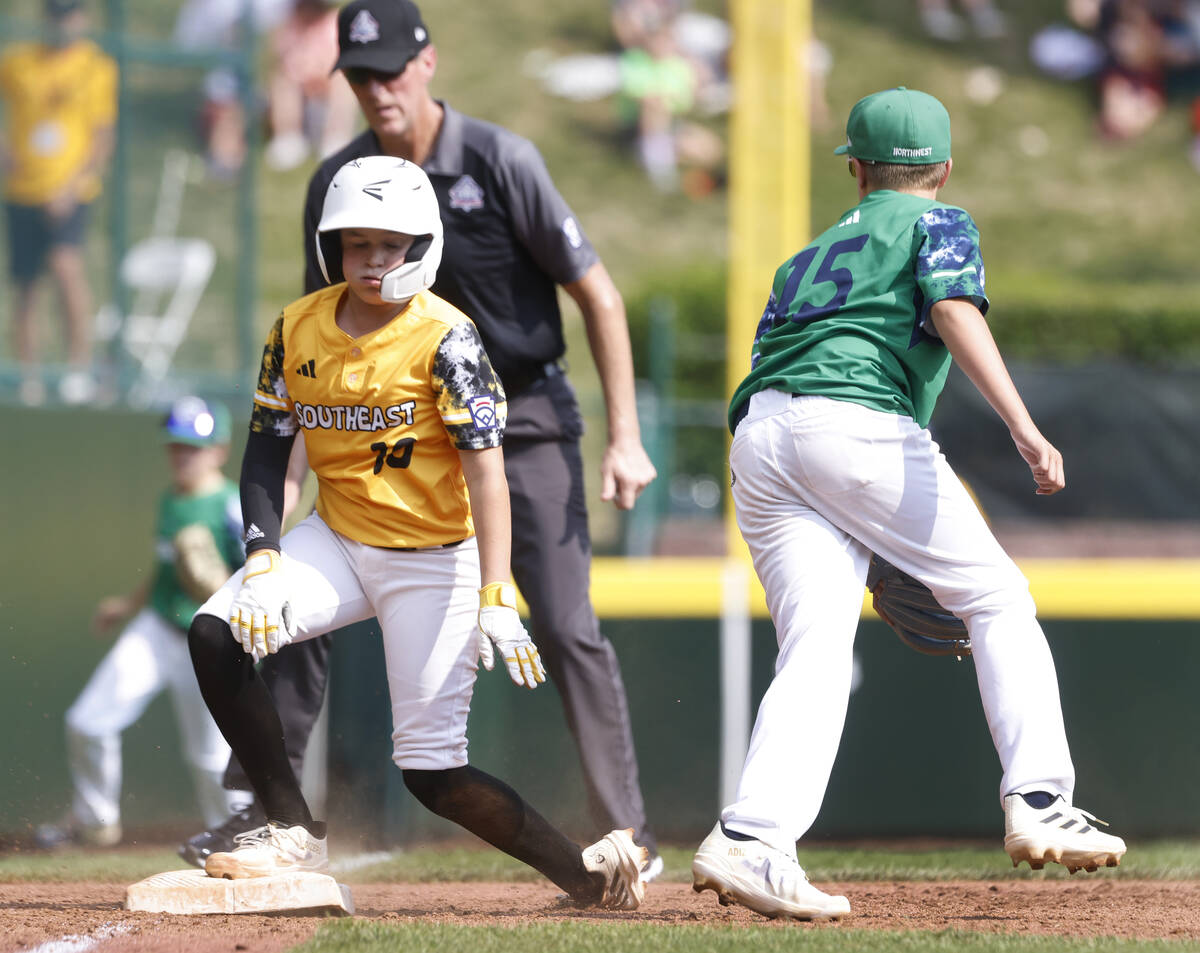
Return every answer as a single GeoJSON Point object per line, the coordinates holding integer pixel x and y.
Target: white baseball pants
{"type": "Point", "coordinates": [819, 484]}
{"type": "Point", "coordinates": [150, 655]}
{"type": "Point", "coordinates": [427, 603]}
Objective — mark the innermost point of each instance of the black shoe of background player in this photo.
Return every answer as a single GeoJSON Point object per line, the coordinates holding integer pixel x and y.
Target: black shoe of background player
{"type": "Point", "coordinates": [195, 850]}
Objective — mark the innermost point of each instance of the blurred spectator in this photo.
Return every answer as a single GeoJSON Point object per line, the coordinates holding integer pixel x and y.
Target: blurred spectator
{"type": "Point", "coordinates": [1152, 50]}
{"type": "Point", "coordinates": [1132, 85]}
{"type": "Point", "coordinates": [219, 23]}
{"type": "Point", "coordinates": [942, 23]}
{"type": "Point", "coordinates": [310, 107]}
{"type": "Point", "coordinates": [1143, 53]}
{"type": "Point", "coordinates": [658, 87]}
{"type": "Point", "coordinates": [60, 98]}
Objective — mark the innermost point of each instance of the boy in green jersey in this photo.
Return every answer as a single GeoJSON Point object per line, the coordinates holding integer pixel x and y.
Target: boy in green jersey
{"type": "Point", "coordinates": [831, 461]}
{"type": "Point", "coordinates": [197, 542]}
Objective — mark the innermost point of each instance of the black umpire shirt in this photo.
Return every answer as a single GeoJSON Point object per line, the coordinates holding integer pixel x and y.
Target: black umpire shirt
{"type": "Point", "coordinates": [510, 239]}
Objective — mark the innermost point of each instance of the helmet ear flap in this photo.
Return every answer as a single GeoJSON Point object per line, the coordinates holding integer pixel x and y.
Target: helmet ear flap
{"type": "Point", "coordinates": [330, 248]}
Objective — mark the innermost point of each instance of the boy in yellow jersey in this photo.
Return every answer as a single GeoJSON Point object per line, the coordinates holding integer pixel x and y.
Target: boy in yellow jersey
{"type": "Point", "coordinates": [403, 418]}
{"type": "Point", "coordinates": [60, 103]}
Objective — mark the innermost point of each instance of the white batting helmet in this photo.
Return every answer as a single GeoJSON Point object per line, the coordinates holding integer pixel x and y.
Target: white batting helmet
{"type": "Point", "coordinates": [392, 194]}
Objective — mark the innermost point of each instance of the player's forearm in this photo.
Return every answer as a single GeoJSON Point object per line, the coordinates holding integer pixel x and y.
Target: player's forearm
{"type": "Point", "coordinates": [966, 334]}
{"type": "Point", "coordinates": [264, 467]}
{"type": "Point", "coordinates": [607, 329]}
{"type": "Point", "coordinates": [488, 490]}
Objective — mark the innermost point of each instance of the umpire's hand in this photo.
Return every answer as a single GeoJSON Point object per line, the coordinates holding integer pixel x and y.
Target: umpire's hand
{"type": "Point", "coordinates": [625, 470]}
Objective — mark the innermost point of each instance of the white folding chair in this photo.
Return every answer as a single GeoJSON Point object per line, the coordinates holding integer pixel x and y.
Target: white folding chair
{"type": "Point", "coordinates": [165, 278]}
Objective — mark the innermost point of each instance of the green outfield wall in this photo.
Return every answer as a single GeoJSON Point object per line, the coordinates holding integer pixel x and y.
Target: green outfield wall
{"type": "Point", "coordinates": [77, 493]}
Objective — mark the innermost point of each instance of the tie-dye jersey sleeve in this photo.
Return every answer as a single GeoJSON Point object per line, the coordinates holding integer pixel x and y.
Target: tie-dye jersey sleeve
{"type": "Point", "coordinates": [949, 264]}
{"type": "Point", "coordinates": [272, 413]}
{"type": "Point", "coordinates": [470, 398]}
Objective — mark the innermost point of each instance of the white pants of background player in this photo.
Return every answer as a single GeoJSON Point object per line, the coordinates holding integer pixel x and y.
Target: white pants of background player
{"type": "Point", "coordinates": [427, 603]}
{"type": "Point", "coordinates": [819, 484]}
{"type": "Point", "coordinates": [149, 656]}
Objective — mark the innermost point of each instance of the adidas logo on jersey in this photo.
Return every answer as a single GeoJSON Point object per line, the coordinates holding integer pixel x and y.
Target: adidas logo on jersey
{"type": "Point", "coordinates": [851, 219]}
{"type": "Point", "coordinates": [308, 369]}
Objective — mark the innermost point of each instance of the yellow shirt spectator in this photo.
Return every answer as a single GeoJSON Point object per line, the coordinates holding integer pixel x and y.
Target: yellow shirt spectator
{"type": "Point", "coordinates": [56, 100]}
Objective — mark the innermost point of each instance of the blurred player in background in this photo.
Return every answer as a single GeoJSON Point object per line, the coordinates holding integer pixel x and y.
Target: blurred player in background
{"type": "Point", "coordinates": [510, 239]}
{"type": "Point", "coordinates": [403, 417]}
{"type": "Point", "coordinates": [60, 101]}
{"type": "Point", "coordinates": [831, 461]}
{"type": "Point", "coordinates": [198, 541]}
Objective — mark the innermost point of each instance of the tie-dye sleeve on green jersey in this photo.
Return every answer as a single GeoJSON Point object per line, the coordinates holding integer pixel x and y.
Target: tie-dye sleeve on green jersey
{"type": "Point", "coordinates": [949, 264]}
{"type": "Point", "coordinates": [272, 413]}
{"type": "Point", "coordinates": [470, 398]}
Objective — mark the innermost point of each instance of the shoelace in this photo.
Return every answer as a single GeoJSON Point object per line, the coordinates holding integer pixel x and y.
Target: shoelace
{"type": "Point", "coordinates": [1090, 817]}
{"type": "Point", "coordinates": [258, 837]}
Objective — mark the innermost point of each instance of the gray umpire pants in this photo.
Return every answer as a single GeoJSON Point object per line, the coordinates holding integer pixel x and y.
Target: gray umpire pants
{"type": "Point", "coordinates": [551, 563]}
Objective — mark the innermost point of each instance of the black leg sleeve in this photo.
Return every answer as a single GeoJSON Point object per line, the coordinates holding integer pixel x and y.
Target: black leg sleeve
{"type": "Point", "coordinates": [494, 812]}
{"type": "Point", "coordinates": [243, 710]}
{"type": "Point", "coordinates": [296, 677]}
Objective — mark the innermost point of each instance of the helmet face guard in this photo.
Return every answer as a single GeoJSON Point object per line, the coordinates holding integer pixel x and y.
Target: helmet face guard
{"type": "Point", "coordinates": [391, 194]}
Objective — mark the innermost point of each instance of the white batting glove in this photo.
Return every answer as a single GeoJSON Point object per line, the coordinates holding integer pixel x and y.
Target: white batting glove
{"type": "Point", "coordinates": [261, 615]}
{"type": "Point", "coordinates": [500, 623]}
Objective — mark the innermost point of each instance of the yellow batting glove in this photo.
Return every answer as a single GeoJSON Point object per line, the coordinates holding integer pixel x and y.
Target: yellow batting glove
{"type": "Point", "coordinates": [499, 623]}
{"type": "Point", "coordinates": [261, 615]}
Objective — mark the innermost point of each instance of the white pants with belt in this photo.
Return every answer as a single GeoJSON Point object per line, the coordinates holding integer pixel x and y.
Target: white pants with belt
{"type": "Point", "coordinates": [427, 603]}
{"type": "Point", "coordinates": [819, 484]}
{"type": "Point", "coordinates": [149, 656]}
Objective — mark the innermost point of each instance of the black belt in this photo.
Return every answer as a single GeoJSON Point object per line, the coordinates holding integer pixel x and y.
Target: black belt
{"type": "Point", "coordinates": [417, 549]}
{"type": "Point", "coordinates": [520, 380]}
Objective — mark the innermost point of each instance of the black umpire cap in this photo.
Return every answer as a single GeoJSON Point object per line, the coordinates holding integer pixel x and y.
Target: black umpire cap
{"type": "Point", "coordinates": [379, 35]}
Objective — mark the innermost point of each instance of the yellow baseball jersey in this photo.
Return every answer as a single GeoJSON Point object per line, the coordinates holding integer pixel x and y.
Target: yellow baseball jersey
{"type": "Point", "coordinates": [56, 100]}
{"type": "Point", "coordinates": [384, 415]}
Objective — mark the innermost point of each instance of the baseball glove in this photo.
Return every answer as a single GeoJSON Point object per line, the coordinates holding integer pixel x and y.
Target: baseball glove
{"type": "Point", "coordinates": [907, 605]}
{"type": "Point", "coordinates": [199, 567]}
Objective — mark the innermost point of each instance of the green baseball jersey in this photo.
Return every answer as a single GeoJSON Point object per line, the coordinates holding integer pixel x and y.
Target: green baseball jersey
{"type": "Point", "coordinates": [848, 317]}
{"type": "Point", "coordinates": [221, 512]}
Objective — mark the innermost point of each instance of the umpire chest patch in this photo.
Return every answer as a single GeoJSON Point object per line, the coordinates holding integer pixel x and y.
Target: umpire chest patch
{"type": "Point", "coordinates": [466, 194]}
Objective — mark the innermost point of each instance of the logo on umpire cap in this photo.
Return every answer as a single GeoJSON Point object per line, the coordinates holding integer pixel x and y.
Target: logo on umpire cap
{"type": "Point", "coordinates": [364, 28]}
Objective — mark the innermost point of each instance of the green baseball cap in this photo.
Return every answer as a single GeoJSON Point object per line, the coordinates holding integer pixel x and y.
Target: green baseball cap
{"type": "Point", "coordinates": [901, 126]}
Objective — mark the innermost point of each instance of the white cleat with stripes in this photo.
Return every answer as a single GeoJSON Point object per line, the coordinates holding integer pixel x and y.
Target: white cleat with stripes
{"type": "Point", "coordinates": [1058, 834]}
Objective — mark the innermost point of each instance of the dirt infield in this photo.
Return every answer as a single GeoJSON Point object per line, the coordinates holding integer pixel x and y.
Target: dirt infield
{"type": "Point", "coordinates": [35, 914]}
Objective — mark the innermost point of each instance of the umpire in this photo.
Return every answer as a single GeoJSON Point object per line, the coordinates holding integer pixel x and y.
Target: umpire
{"type": "Point", "coordinates": [510, 238]}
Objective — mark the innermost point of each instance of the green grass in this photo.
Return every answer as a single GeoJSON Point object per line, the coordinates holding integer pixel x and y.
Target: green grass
{"type": "Point", "coordinates": [1153, 860]}
{"type": "Point", "coordinates": [638, 936]}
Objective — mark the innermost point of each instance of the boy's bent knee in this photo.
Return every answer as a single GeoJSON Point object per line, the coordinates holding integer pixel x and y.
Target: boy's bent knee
{"type": "Point", "coordinates": [210, 637]}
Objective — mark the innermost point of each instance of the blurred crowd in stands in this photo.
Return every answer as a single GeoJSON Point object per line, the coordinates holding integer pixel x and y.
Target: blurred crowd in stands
{"type": "Point", "coordinates": [666, 72]}
{"type": "Point", "coordinates": [1141, 54]}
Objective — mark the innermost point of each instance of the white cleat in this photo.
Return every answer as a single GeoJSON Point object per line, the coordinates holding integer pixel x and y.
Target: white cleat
{"type": "Point", "coordinates": [268, 851]}
{"type": "Point", "coordinates": [620, 860]}
{"type": "Point", "coordinates": [767, 880]}
{"type": "Point", "coordinates": [1058, 834]}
